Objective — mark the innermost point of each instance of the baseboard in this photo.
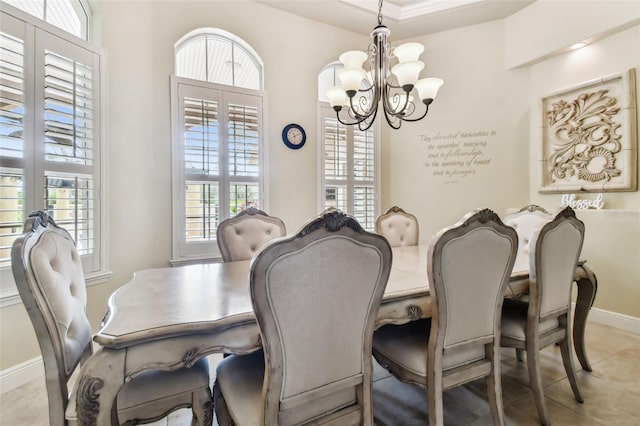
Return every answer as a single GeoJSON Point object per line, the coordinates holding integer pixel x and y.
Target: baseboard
{"type": "Point", "coordinates": [20, 374]}
{"type": "Point", "coordinates": [614, 319]}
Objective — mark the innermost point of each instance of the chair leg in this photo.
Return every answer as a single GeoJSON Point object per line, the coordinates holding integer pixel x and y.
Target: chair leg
{"type": "Point", "coordinates": [494, 385]}
{"type": "Point", "coordinates": [520, 354]}
{"type": "Point", "coordinates": [434, 398]}
{"type": "Point", "coordinates": [569, 367]}
{"type": "Point", "coordinates": [535, 378]}
{"type": "Point", "coordinates": [202, 408]}
{"type": "Point", "coordinates": [494, 389]}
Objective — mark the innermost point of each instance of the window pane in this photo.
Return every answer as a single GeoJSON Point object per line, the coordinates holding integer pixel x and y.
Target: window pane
{"type": "Point", "coordinates": [68, 106]}
{"type": "Point", "coordinates": [201, 150]}
{"type": "Point", "coordinates": [63, 15]}
{"type": "Point", "coordinates": [336, 196]}
{"type": "Point", "coordinates": [68, 15]}
{"type": "Point", "coordinates": [335, 149]}
{"type": "Point", "coordinates": [202, 211]}
{"type": "Point", "coordinates": [11, 96]}
{"type": "Point", "coordinates": [243, 196]}
{"type": "Point", "coordinates": [364, 206]}
{"type": "Point", "coordinates": [219, 60]}
{"type": "Point", "coordinates": [11, 212]}
{"type": "Point", "coordinates": [363, 154]}
{"type": "Point", "coordinates": [191, 59]}
{"type": "Point", "coordinates": [246, 72]}
{"type": "Point", "coordinates": [244, 141]}
{"type": "Point", "coordinates": [70, 201]}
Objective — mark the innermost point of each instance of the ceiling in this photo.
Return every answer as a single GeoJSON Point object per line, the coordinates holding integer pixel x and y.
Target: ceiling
{"type": "Point", "coordinates": [405, 18]}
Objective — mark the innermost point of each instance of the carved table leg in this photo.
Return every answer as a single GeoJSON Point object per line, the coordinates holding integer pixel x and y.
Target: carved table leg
{"type": "Point", "coordinates": [587, 289]}
{"type": "Point", "coordinates": [101, 378]}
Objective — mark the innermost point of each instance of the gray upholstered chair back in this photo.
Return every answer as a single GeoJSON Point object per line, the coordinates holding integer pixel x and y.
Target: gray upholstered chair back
{"type": "Point", "coordinates": [469, 265]}
{"type": "Point", "coordinates": [554, 252]}
{"type": "Point", "coordinates": [239, 237]}
{"type": "Point", "coordinates": [49, 277]}
{"type": "Point", "coordinates": [398, 227]}
{"type": "Point", "coordinates": [316, 296]}
{"type": "Point", "coordinates": [526, 221]}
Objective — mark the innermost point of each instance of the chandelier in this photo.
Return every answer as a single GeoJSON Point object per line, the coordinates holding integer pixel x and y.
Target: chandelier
{"type": "Point", "coordinates": [362, 91]}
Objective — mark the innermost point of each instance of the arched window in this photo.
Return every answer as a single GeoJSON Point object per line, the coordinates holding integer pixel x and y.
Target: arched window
{"type": "Point", "coordinates": [70, 15]}
{"type": "Point", "coordinates": [349, 170]}
{"type": "Point", "coordinates": [218, 56]}
{"type": "Point", "coordinates": [217, 106]}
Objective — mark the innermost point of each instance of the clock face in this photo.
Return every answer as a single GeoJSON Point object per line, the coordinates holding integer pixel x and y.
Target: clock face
{"type": "Point", "coordinates": [294, 136]}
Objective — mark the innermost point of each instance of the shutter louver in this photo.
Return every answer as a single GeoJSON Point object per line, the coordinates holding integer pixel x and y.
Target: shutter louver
{"type": "Point", "coordinates": [244, 142]}
{"type": "Point", "coordinates": [11, 143]}
{"type": "Point", "coordinates": [11, 96]}
{"type": "Point", "coordinates": [68, 111]}
{"type": "Point", "coordinates": [70, 201]}
{"type": "Point", "coordinates": [201, 161]}
{"type": "Point", "coordinates": [335, 150]}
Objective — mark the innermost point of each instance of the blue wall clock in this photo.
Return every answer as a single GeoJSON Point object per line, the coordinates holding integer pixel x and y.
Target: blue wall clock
{"type": "Point", "coordinates": [294, 136]}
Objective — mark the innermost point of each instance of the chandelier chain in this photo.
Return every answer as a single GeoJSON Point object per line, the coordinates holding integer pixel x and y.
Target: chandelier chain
{"type": "Point", "coordinates": [380, 12]}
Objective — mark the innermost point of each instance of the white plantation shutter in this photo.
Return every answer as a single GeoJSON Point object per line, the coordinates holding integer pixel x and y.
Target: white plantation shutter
{"type": "Point", "coordinates": [50, 138]}
{"type": "Point", "coordinates": [348, 169]}
{"type": "Point", "coordinates": [217, 161]}
{"type": "Point", "coordinates": [12, 106]}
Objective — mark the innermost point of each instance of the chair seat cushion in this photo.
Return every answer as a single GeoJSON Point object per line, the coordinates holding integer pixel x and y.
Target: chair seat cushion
{"type": "Point", "coordinates": [157, 385]}
{"type": "Point", "coordinates": [514, 320]}
{"type": "Point", "coordinates": [406, 346]}
{"type": "Point", "coordinates": [239, 379]}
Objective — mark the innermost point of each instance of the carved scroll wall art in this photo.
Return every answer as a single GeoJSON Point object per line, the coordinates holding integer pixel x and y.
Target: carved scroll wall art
{"type": "Point", "coordinates": [589, 140]}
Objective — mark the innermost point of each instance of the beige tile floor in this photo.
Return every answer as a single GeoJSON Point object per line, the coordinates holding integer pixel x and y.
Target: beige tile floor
{"type": "Point", "coordinates": [611, 392]}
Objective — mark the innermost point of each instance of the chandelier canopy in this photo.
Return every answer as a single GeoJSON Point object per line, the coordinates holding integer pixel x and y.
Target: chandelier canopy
{"type": "Point", "coordinates": [362, 91]}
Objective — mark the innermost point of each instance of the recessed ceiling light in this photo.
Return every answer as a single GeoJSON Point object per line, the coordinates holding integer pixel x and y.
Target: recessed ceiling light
{"type": "Point", "coordinates": [578, 45]}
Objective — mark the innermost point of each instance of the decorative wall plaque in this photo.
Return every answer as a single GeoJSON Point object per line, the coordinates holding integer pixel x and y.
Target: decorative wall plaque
{"type": "Point", "coordinates": [589, 137]}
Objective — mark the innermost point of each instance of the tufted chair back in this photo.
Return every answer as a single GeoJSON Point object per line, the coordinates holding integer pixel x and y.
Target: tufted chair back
{"type": "Point", "coordinates": [239, 237]}
{"type": "Point", "coordinates": [526, 222]}
{"type": "Point", "coordinates": [49, 277]}
{"type": "Point", "coordinates": [398, 227]}
{"type": "Point", "coordinates": [48, 273]}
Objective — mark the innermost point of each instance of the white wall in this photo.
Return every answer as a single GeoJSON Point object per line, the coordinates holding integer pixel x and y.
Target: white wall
{"type": "Point", "coordinates": [612, 239]}
{"type": "Point", "coordinates": [480, 94]}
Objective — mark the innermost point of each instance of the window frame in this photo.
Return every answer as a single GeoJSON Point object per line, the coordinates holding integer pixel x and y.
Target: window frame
{"type": "Point", "coordinates": [184, 252]}
{"type": "Point", "coordinates": [37, 35]}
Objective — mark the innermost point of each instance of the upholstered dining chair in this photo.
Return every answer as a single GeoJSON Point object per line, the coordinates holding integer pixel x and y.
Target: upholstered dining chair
{"type": "Point", "coordinates": [468, 267]}
{"type": "Point", "coordinates": [48, 273]}
{"type": "Point", "coordinates": [398, 227]}
{"type": "Point", "coordinates": [545, 319]}
{"type": "Point", "coordinates": [526, 221]}
{"type": "Point", "coordinates": [241, 235]}
{"type": "Point", "coordinates": [316, 297]}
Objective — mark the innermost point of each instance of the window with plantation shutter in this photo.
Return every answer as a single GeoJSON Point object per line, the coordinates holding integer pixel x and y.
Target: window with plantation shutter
{"type": "Point", "coordinates": [217, 109]}
{"type": "Point", "coordinates": [348, 175]}
{"type": "Point", "coordinates": [49, 137]}
{"type": "Point", "coordinates": [217, 139]}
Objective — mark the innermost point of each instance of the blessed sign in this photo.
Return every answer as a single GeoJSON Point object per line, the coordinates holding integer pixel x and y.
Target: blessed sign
{"type": "Point", "coordinates": [571, 201]}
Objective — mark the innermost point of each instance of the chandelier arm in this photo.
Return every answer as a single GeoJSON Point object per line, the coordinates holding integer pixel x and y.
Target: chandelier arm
{"type": "Point", "coordinates": [346, 123]}
{"type": "Point", "coordinates": [393, 126]}
{"type": "Point", "coordinates": [426, 110]}
{"type": "Point", "coordinates": [368, 123]}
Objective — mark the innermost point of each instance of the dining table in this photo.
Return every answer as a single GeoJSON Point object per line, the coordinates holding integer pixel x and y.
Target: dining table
{"type": "Point", "coordinates": [168, 318]}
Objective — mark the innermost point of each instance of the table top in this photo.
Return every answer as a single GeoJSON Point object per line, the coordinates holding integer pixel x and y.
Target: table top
{"type": "Point", "coordinates": [203, 298]}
